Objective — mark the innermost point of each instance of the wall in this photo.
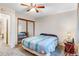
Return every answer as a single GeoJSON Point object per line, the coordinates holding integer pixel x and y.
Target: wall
{"type": "Point", "coordinates": [77, 32]}
{"type": "Point", "coordinates": [27, 17]}
{"type": "Point", "coordinates": [58, 24]}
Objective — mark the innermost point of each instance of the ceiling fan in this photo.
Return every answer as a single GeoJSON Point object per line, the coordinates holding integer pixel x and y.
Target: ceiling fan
{"type": "Point", "coordinates": [35, 6]}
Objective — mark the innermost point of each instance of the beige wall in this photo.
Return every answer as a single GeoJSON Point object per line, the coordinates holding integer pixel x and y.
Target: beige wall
{"type": "Point", "coordinates": [58, 24]}
{"type": "Point", "coordinates": [25, 17]}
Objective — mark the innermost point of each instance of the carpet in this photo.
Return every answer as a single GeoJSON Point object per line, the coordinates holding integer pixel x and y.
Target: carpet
{"type": "Point", "coordinates": [7, 51]}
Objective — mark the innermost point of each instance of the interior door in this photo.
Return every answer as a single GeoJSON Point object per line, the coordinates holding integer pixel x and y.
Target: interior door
{"type": "Point", "coordinates": [22, 26]}
{"type": "Point", "coordinates": [6, 30]}
{"type": "Point", "coordinates": [30, 28]}
{"type": "Point", "coordinates": [5, 18]}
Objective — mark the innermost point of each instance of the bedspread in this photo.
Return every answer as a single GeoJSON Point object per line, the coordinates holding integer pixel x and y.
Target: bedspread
{"type": "Point", "coordinates": [41, 44]}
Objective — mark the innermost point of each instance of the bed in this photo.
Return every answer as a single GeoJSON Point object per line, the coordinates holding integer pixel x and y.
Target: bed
{"type": "Point", "coordinates": [43, 44]}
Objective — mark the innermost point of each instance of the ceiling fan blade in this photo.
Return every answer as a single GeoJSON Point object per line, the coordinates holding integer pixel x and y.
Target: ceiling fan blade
{"type": "Point", "coordinates": [28, 9]}
{"type": "Point", "coordinates": [24, 4]}
{"type": "Point", "coordinates": [40, 6]}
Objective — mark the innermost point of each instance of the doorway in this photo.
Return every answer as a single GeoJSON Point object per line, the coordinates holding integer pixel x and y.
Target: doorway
{"type": "Point", "coordinates": [4, 28]}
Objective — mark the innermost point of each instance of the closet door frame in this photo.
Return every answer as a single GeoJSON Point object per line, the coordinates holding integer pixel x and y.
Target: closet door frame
{"type": "Point", "coordinates": [26, 25]}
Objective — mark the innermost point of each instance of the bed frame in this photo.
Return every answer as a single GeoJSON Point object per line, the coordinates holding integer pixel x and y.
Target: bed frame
{"type": "Point", "coordinates": [33, 52]}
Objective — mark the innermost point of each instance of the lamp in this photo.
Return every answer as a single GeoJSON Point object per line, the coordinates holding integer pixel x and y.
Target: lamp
{"type": "Point", "coordinates": [69, 36]}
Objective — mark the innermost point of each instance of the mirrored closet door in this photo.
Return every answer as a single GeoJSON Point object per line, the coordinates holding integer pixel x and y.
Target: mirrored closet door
{"type": "Point", "coordinates": [22, 26]}
{"type": "Point", "coordinates": [26, 28]}
{"type": "Point", "coordinates": [30, 29]}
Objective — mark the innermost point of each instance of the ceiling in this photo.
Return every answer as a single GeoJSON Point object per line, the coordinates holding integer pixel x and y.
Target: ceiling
{"type": "Point", "coordinates": [50, 8]}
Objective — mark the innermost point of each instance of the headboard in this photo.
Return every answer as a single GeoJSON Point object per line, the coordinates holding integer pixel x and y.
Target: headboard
{"type": "Point", "coordinates": [49, 34]}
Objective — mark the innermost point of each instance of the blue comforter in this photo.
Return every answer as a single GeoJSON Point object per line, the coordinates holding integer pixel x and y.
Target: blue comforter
{"type": "Point", "coordinates": [41, 43]}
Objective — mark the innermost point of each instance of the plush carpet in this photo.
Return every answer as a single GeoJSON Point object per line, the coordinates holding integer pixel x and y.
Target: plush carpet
{"type": "Point", "coordinates": [7, 51]}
